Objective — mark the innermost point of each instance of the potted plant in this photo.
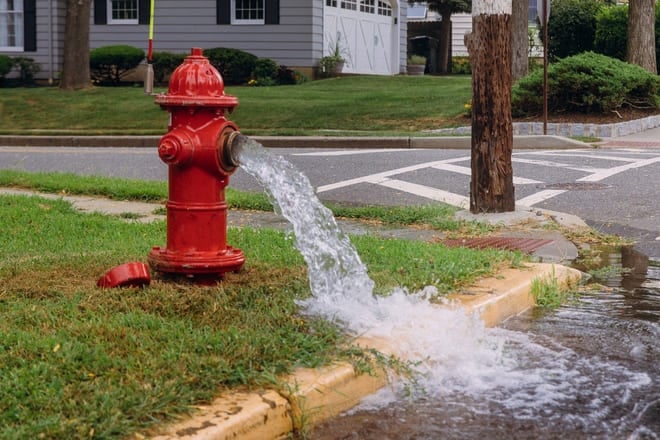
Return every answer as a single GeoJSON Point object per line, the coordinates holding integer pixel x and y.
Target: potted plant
{"type": "Point", "coordinates": [332, 64]}
{"type": "Point", "coordinates": [416, 65]}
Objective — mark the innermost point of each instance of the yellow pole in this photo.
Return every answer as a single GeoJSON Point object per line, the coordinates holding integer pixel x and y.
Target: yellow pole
{"type": "Point", "coordinates": [149, 79]}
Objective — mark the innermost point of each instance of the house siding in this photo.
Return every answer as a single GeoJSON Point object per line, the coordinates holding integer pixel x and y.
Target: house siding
{"type": "Point", "coordinates": [178, 26]}
{"type": "Point", "coordinates": [50, 18]}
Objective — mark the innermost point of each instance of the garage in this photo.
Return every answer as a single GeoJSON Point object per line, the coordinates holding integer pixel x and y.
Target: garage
{"type": "Point", "coordinates": [366, 32]}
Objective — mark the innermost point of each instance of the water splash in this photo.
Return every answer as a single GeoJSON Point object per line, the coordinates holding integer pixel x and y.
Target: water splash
{"type": "Point", "coordinates": [456, 357]}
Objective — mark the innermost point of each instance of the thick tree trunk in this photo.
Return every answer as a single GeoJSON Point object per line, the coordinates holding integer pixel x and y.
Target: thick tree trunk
{"type": "Point", "coordinates": [75, 70]}
{"type": "Point", "coordinates": [444, 48]}
{"type": "Point", "coordinates": [489, 45]}
{"type": "Point", "coordinates": [641, 34]}
{"type": "Point", "coordinates": [520, 39]}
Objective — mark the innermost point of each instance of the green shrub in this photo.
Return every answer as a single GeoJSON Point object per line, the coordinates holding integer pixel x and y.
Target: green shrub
{"type": "Point", "coordinates": [461, 65]}
{"type": "Point", "coordinates": [164, 63]}
{"type": "Point", "coordinates": [234, 65]}
{"type": "Point", "coordinates": [584, 83]}
{"type": "Point", "coordinates": [286, 76]}
{"type": "Point", "coordinates": [612, 31]}
{"type": "Point", "coordinates": [6, 65]}
{"type": "Point", "coordinates": [265, 70]}
{"type": "Point", "coordinates": [109, 64]}
{"type": "Point", "coordinates": [27, 69]}
{"type": "Point", "coordinates": [571, 27]}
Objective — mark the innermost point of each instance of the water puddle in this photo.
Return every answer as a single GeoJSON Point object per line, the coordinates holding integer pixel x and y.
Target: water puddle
{"type": "Point", "coordinates": [587, 370]}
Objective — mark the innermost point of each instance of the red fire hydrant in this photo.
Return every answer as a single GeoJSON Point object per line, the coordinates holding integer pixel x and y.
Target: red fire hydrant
{"type": "Point", "coordinates": [197, 150]}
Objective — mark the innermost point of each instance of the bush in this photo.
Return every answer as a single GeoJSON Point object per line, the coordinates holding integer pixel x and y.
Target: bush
{"type": "Point", "coordinates": [6, 65]}
{"type": "Point", "coordinates": [109, 64]}
{"type": "Point", "coordinates": [27, 69]}
{"type": "Point", "coordinates": [584, 83]}
{"type": "Point", "coordinates": [461, 65]}
{"type": "Point", "coordinates": [571, 27]}
{"type": "Point", "coordinates": [164, 63]}
{"type": "Point", "coordinates": [612, 31]}
{"type": "Point", "coordinates": [286, 76]}
{"type": "Point", "coordinates": [265, 71]}
{"type": "Point", "coordinates": [234, 65]}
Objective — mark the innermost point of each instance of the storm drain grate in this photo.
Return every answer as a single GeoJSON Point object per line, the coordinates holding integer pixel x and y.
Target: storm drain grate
{"type": "Point", "coordinates": [526, 245]}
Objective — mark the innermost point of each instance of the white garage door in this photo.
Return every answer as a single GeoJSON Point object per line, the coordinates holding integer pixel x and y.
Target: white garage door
{"type": "Point", "coordinates": [366, 32]}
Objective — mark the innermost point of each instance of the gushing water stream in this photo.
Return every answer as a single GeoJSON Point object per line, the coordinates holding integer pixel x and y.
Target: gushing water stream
{"type": "Point", "coordinates": [473, 371]}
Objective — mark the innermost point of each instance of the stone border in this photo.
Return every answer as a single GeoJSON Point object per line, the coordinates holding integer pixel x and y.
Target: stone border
{"type": "Point", "coordinates": [568, 129]}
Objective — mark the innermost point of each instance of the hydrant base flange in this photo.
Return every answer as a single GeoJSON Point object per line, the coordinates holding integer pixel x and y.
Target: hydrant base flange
{"type": "Point", "coordinates": [196, 263]}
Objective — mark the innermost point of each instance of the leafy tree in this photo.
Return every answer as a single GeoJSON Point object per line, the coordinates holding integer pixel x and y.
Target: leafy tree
{"type": "Point", "coordinates": [445, 8]}
{"type": "Point", "coordinates": [572, 27]}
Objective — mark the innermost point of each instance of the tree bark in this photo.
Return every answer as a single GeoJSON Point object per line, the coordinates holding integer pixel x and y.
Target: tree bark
{"type": "Point", "coordinates": [520, 39]}
{"type": "Point", "coordinates": [641, 34]}
{"type": "Point", "coordinates": [444, 48]}
{"type": "Point", "coordinates": [75, 69]}
{"type": "Point", "coordinates": [489, 46]}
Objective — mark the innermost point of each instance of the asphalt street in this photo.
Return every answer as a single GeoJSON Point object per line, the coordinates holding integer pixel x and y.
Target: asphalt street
{"type": "Point", "coordinates": [614, 189]}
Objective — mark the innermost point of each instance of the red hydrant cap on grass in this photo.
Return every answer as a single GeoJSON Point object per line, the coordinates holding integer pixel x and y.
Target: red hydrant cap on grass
{"type": "Point", "coordinates": [196, 83]}
{"type": "Point", "coordinates": [135, 274]}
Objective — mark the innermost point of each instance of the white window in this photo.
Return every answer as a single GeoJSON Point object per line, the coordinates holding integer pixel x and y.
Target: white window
{"type": "Point", "coordinates": [248, 12]}
{"type": "Point", "coordinates": [349, 4]}
{"type": "Point", "coordinates": [11, 25]}
{"type": "Point", "coordinates": [384, 9]}
{"type": "Point", "coordinates": [123, 11]}
{"type": "Point", "coordinates": [367, 6]}
{"type": "Point", "coordinates": [332, 3]}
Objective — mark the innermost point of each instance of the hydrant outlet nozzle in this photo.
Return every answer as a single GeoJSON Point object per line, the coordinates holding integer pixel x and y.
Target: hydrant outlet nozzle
{"type": "Point", "coordinates": [175, 148]}
{"type": "Point", "coordinates": [229, 150]}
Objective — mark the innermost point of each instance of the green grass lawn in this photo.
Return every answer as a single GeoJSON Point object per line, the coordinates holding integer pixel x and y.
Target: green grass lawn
{"type": "Point", "coordinates": [79, 362]}
{"type": "Point", "coordinates": [358, 105]}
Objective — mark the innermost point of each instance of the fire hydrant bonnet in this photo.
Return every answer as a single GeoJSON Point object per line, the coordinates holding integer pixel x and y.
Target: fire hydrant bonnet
{"type": "Point", "coordinates": [197, 83]}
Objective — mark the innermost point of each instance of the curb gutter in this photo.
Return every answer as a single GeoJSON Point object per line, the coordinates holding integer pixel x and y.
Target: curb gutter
{"type": "Point", "coordinates": [318, 394]}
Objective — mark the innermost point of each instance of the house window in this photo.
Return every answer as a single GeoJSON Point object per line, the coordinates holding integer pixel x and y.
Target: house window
{"type": "Point", "coordinates": [332, 3]}
{"type": "Point", "coordinates": [367, 6]}
{"type": "Point", "coordinates": [384, 9]}
{"type": "Point", "coordinates": [123, 11]}
{"type": "Point", "coordinates": [349, 4]}
{"type": "Point", "coordinates": [248, 12]}
{"type": "Point", "coordinates": [11, 25]}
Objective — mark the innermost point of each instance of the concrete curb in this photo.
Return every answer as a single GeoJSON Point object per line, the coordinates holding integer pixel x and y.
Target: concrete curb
{"type": "Point", "coordinates": [436, 142]}
{"type": "Point", "coordinates": [315, 395]}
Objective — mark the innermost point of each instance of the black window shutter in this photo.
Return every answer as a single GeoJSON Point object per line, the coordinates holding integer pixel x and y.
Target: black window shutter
{"type": "Point", "coordinates": [100, 12]}
{"type": "Point", "coordinates": [30, 25]}
{"type": "Point", "coordinates": [144, 11]}
{"type": "Point", "coordinates": [223, 12]}
{"type": "Point", "coordinates": [272, 12]}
